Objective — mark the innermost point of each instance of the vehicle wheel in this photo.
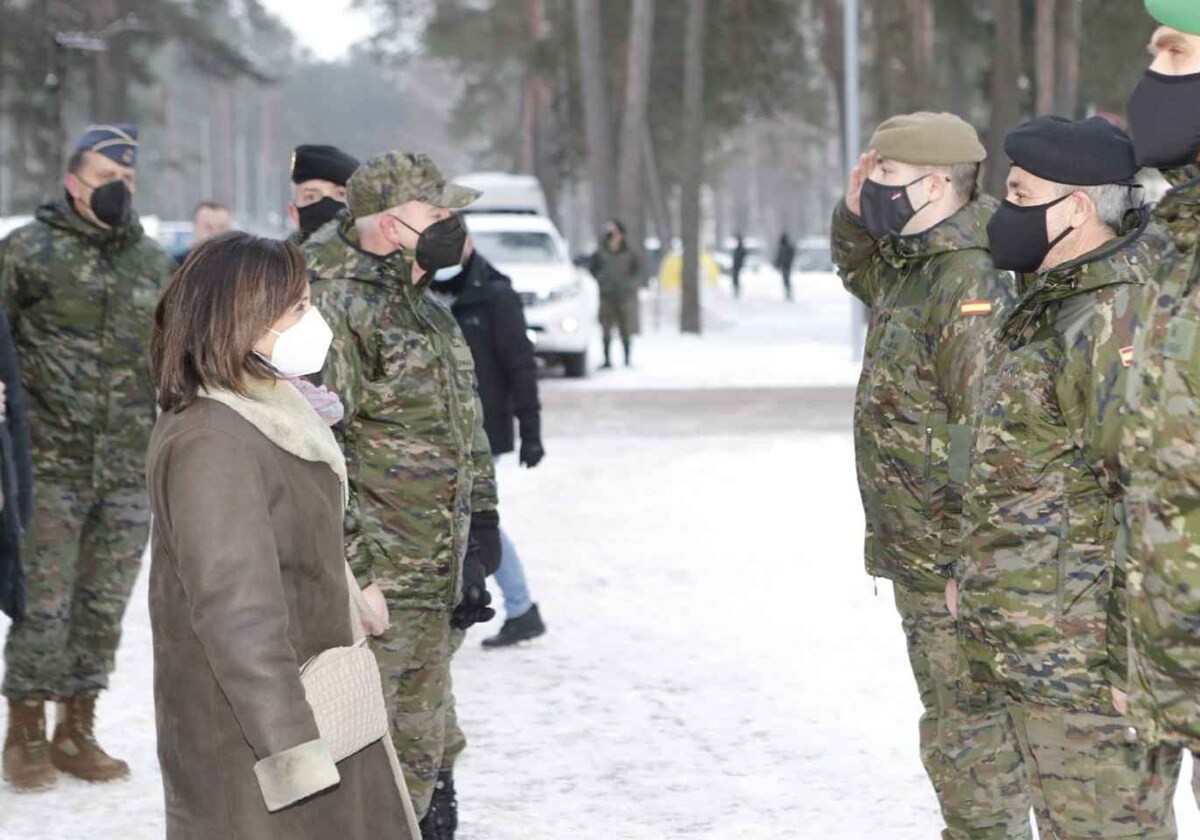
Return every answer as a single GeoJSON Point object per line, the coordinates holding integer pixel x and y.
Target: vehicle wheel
{"type": "Point", "coordinates": [576, 364]}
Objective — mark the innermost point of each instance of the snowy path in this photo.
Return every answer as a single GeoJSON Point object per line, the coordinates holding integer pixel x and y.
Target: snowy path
{"type": "Point", "coordinates": [718, 666]}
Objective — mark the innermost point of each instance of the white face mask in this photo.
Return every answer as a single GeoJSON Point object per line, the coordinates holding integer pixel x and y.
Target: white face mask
{"type": "Point", "coordinates": [301, 348]}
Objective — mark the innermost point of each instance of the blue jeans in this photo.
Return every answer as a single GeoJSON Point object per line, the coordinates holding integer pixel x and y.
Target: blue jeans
{"type": "Point", "coordinates": [511, 577]}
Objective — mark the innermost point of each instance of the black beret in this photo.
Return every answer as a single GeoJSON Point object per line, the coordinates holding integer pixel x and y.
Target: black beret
{"type": "Point", "coordinates": [327, 163]}
{"type": "Point", "coordinates": [1078, 153]}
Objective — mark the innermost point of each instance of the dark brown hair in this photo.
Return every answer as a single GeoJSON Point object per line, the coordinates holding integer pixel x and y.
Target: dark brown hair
{"type": "Point", "coordinates": [227, 293]}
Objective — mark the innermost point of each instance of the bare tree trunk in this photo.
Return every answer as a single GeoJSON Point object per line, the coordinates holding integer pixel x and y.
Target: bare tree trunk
{"type": "Point", "coordinates": [832, 49]}
{"type": "Point", "coordinates": [1006, 90]}
{"type": "Point", "coordinates": [1068, 28]}
{"type": "Point", "coordinates": [658, 200]}
{"type": "Point", "coordinates": [595, 111]}
{"type": "Point", "coordinates": [103, 79]}
{"type": "Point", "coordinates": [922, 28]}
{"type": "Point", "coordinates": [1046, 45]}
{"type": "Point", "coordinates": [693, 110]}
{"type": "Point", "coordinates": [630, 204]}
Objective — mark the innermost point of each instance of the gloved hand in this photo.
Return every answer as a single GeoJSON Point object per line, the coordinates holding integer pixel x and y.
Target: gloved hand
{"type": "Point", "coordinates": [532, 452]}
{"type": "Point", "coordinates": [473, 607]}
{"type": "Point", "coordinates": [485, 531]}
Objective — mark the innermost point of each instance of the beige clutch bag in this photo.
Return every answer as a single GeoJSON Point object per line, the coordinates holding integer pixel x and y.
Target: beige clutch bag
{"type": "Point", "coordinates": [345, 691]}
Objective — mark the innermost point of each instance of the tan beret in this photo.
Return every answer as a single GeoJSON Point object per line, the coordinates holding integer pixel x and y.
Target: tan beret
{"type": "Point", "coordinates": [928, 139]}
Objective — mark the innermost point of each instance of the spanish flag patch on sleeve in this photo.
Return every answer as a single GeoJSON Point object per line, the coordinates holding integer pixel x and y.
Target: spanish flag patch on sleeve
{"type": "Point", "coordinates": [1127, 356]}
{"type": "Point", "coordinates": [975, 307]}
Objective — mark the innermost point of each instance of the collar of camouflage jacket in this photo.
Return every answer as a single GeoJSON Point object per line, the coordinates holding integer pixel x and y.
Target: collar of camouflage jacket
{"type": "Point", "coordinates": [965, 230]}
{"type": "Point", "coordinates": [60, 214]}
{"type": "Point", "coordinates": [1127, 258]}
{"type": "Point", "coordinates": [278, 410]}
{"type": "Point", "coordinates": [1179, 209]}
{"type": "Point", "coordinates": [393, 270]}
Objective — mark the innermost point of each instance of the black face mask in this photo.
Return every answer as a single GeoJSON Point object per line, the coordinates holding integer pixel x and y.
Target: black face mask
{"type": "Point", "coordinates": [1164, 118]}
{"type": "Point", "coordinates": [1018, 236]}
{"type": "Point", "coordinates": [441, 244]}
{"type": "Point", "coordinates": [313, 216]}
{"type": "Point", "coordinates": [111, 203]}
{"type": "Point", "coordinates": [886, 210]}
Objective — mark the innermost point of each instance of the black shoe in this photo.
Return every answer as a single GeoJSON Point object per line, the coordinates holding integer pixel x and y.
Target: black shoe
{"type": "Point", "coordinates": [606, 366]}
{"type": "Point", "coordinates": [441, 821]}
{"type": "Point", "coordinates": [519, 629]}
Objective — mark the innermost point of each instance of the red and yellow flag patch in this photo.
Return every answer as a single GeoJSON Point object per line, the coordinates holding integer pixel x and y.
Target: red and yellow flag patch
{"type": "Point", "coordinates": [975, 307]}
{"type": "Point", "coordinates": [1127, 356]}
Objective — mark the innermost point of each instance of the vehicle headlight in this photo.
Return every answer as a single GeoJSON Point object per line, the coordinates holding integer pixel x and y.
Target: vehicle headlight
{"type": "Point", "coordinates": [567, 292]}
{"type": "Point", "coordinates": [570, 325]}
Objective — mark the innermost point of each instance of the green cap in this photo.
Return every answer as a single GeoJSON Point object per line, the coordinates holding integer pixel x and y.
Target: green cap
{"type": "Point", "coordinates": [1183, 15]}
{"type": "Point", "coordinates": [394, 178]}
{"type": "Point", "coordinates": [928, 139]}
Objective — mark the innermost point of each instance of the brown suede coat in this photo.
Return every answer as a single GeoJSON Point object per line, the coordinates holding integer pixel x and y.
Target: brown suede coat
{"type": "Point", "coordinates": [247, 583]}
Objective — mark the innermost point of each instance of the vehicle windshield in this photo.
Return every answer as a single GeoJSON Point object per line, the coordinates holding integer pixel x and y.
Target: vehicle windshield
{"type": "Point", "coordinates": [525, 247]}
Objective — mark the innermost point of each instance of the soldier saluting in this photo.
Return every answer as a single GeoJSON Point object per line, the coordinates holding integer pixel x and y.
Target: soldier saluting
{"type": "Point", "coordinates": [80, 285]}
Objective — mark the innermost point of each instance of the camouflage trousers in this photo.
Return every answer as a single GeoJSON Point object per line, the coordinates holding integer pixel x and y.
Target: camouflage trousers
{"type": "Point", "coordinates": [968, 745]}
{"type": "Point", "coordinates": [81, 553]}
{"type": "Point", "coordinates": [1092, 778]}
{"type": "Point", "coordinates": [414, 658]}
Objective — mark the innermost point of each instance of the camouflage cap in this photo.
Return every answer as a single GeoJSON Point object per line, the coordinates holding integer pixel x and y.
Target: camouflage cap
{"type": "Point", "coordinates": [393, 178]}
{"type": "Point", "coordinates": [1183, 15]}
{"type": "Point", "coordinates": [928, 139]}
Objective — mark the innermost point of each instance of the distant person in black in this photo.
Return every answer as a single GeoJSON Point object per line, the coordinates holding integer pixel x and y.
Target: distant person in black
{"type": "Point", "coordinates": [493, 322]}
{"type": "Point", "coordinates": [739, 262]}
{"type": "Point", "coordinates": [785, 256]}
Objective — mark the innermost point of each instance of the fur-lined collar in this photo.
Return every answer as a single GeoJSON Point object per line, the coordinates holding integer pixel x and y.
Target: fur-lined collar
{"type": "Point", "coordinates": [282, 414]}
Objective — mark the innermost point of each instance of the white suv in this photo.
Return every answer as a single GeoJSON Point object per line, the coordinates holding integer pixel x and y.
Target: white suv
{"type": "Point", "coordinates": [562, 301]}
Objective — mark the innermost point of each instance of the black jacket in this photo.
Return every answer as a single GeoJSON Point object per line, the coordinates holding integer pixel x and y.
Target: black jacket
{"type": "Point", "coordinates": [16, 478]}
{"type": "Point", "coordinates": [492, 320]}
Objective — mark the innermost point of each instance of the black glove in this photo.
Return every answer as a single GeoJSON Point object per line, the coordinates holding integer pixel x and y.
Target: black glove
{"type": "Point", "coordinates": [473, 606]}
{"type": "Point", "coordinates": [532, 452]}
{"type": "Point", "coordinates": [482, 559]}
{"type": "Point", "coordinates": [485, 531]}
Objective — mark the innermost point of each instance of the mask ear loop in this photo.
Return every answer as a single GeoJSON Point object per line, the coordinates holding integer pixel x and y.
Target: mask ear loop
{"type": "Point", "coordinates": [917, 181]}
{"type": "Point", "coordinates": [1070, 228]}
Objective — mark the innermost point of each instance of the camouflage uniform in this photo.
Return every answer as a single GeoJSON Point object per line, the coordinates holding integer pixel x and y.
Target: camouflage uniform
{"type": "Point", "coordinates": [418, 465]}
{"type": "Point", "coordinates": [81, 300]}
{"type": "Point", "coordinates": [1161, 434]}
{"type": "Point", "coordinates": [1037, 572]}
{"type": "Point", "coordinates": [933, 299]}
{"type": "Point", "coordinates": [618, 274]}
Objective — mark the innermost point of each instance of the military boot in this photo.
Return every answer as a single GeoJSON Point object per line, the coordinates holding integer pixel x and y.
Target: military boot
{"type": "Point", "coordinates": [74, 749]}
{"type": "Point", "coordinates": [27, 764]}
{"type": "Point", "coordinates": [441, 821]}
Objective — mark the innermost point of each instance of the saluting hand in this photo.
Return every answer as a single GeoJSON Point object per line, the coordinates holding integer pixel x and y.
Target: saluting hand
{"type": "Point", "coordinates": [858, 177]}
{"type": "Point", "coordinates": [952, 597]}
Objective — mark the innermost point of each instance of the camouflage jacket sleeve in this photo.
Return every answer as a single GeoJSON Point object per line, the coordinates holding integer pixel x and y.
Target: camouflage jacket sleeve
{"type": "Point", "coordinates": [855, 255]}
{"type": "Point", "coordinates": [343, 374]}
{"type": "Point", "coordinates": [1094, 381]}
{"type": "Point", "coordinates": [971, 300]}
{"type": "Point", "coordinates": [484, 494]}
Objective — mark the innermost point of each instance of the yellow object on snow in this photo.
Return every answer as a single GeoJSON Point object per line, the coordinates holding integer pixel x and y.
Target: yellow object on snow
{"type": "Point", "coordinates": [670, 273]}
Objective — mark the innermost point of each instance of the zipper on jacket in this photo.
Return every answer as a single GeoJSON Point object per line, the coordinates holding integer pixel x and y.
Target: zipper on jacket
{"type": "Point", "coordinates": [928, 502]}
{"type": "Point", "coordinates": [1063, 542]}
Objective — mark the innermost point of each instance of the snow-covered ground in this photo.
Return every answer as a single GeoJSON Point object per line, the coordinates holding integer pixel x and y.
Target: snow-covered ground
{"type": "Point", "coordinates": [717, 663]}
{"type": "Point", "coordinates": [756, 341]}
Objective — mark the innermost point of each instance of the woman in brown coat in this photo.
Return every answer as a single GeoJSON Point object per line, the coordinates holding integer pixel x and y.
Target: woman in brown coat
{"type": "Point", "coordinates": [248, 572]}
